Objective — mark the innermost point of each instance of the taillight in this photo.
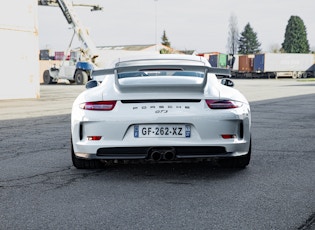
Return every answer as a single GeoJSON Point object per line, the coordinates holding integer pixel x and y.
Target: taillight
{"type": "Point", "coordinates": [222, 104]}
{"type": "Point", "coordinates": [98, 105]}
{"type": "Point", "coordinates": [228, 136]}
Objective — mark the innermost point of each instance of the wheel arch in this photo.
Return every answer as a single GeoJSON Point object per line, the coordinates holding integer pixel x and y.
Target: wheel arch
{"type": "Point", "coordinates": [84, 66]}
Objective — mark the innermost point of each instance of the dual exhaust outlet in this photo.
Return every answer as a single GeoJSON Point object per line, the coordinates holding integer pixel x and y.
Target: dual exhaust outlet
{"type": "Point", "coordinates": [162, 154]}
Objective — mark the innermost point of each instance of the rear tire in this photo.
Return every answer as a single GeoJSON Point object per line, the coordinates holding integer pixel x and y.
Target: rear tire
{"type": "Point", "coordinates": [47, 78]}
{"type": "Point", "coordinates": [81, 77]}
{"type": "Point", "coordinates": [80, 163]}
{"type": "Point", "coordinates": [237, 162]}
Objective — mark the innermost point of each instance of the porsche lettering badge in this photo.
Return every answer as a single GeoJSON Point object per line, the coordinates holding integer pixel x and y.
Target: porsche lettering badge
{"type": "Point", "coordinates": [161, 107]}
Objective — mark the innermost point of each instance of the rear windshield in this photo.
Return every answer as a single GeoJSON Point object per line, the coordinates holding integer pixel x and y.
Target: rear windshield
{"type": "Point", "coordinates": [161, 73]}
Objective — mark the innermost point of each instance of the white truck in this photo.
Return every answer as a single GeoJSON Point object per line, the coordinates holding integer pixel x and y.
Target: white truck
{"type": "Point", "coordinates": [78, 68]}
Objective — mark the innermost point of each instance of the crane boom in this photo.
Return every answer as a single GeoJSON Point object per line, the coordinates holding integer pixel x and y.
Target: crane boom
{"type": "Point", "coordinates": [88, 49]}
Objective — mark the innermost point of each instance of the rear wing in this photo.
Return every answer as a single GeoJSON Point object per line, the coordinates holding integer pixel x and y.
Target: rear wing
{"type": "Point", "coordinates": [222, 72]}
{"type": "Point", "coordinates": [219, 72]}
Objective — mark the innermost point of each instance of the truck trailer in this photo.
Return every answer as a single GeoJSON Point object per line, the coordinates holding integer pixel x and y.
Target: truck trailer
{"type": "Point", "coordinates": [275, 65]}
{"type": "Point", "coordinates": [293, 65]}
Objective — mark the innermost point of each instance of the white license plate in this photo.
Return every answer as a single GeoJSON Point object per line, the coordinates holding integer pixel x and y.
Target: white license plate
{"type": "Point", "coordinates": [162, 131]}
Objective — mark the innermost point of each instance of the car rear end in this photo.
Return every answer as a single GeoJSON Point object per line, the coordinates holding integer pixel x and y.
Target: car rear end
{"type": "Point", "coordinates": [160, 118]}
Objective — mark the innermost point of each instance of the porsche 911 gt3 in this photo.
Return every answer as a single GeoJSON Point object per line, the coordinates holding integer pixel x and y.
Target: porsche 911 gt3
{"type": "Point", "coordinates": [163, 108]}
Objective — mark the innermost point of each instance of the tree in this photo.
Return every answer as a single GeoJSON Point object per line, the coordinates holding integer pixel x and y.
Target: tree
{"type": "Point", "coordinates": [165, 41]}
{"type": "Point", "coordinates": [275, 48]}
{"type": "Point", "coordinates": [248, 42]}
{"type": "Point", "coordinates": [233, 35]}
{"type": "Point", "coordinates": [295, 38]}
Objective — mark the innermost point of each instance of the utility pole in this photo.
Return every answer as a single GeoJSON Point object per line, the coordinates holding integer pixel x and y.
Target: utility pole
{"type": "Point", "coordinates": [156, 44]}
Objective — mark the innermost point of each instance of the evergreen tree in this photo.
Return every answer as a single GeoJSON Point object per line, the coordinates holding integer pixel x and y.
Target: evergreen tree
{"type": "Point", "coordinates": [295, 38]}
{"type": "Point", "coordinates": [165, 41]}
{"type": "Point", "coordinates": [248, 42]}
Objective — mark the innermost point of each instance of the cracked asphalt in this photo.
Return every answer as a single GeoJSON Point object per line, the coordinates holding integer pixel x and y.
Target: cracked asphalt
{"type": "Point", "coordinates": [40, 189]}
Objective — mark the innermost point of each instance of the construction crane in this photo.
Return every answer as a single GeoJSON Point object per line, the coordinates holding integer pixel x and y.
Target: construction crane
{"type": "Point", "coordinates": [78, 69]}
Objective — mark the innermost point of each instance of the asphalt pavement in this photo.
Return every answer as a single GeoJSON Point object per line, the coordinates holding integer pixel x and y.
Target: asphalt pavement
{"type": "Point", "coordinates": [40, 189]}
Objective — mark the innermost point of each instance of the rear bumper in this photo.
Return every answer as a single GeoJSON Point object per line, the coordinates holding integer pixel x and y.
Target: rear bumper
{"type": "Point", "coordinates": [144, 153]}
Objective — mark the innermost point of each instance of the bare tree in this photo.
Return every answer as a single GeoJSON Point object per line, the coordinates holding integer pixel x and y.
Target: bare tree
{"type": "Point", "coordinates": [233, 40]}
{"type": "Point", "coordinates": [233, 37]}
{"type": "Point", "coordinates": [275, 48]}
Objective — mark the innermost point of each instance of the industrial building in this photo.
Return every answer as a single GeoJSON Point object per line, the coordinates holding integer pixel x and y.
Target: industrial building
{"type": "Point", "coordinates": [19, 50]}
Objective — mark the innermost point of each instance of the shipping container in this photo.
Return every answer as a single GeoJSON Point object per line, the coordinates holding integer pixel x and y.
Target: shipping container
{"type": "Point", "coordinates": [222, 60]}
{"type": "Point", "coordinates": [205, 55]}
{"type": "Point", "coordinates": [274, 62]}
{"type": "Point", "coordinates": [218, 60]}
{"type": "Point", "coordinates": [19, 50]}
{"type": "Point", "coordinates": [59, 55]}
{"type": "Point", "coordinates": [213, 60]}
{"type": "Point", "coordinates": [44, 55]}
{"type": "Point", "coordinates": [245, 63]}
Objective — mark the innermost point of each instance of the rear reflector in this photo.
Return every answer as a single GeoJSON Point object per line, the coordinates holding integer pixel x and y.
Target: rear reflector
{"type": "Point", "coordinates": [94, 138]}
{"type": "Point", "coordinates": [98, 105]}
{"type": "Point", "coordinates": [222, 104]}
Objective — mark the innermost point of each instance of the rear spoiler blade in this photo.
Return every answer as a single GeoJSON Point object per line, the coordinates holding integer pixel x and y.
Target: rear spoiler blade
{"type": "Point", "coordinates": [213, 70]}
{"type": "Point", "coordinates": [219, 71]}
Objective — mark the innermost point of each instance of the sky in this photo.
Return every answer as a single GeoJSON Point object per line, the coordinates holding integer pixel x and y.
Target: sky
{"type": "Point", "coordinates": [200, 25]}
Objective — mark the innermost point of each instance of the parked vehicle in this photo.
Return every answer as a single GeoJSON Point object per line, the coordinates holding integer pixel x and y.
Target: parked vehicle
{"type": "Point", "coordinates": [284, 65]}
{"type": "Point", "coordinates": [266, 65]}
{"type": "Point", "coordinates": [78, 69]}
{"type": "Point", "coordinates": [275, 65]}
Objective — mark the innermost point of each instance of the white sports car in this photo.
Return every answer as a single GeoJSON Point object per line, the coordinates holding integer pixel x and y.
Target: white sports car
{"type": "Point", "coordinates": [160, 108]}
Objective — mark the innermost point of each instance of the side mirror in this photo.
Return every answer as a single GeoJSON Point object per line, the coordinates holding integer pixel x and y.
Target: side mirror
{"type": "Point", "coordinates": [227, 82]}
{"type": "Point", "coordinates": [91, 84]}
